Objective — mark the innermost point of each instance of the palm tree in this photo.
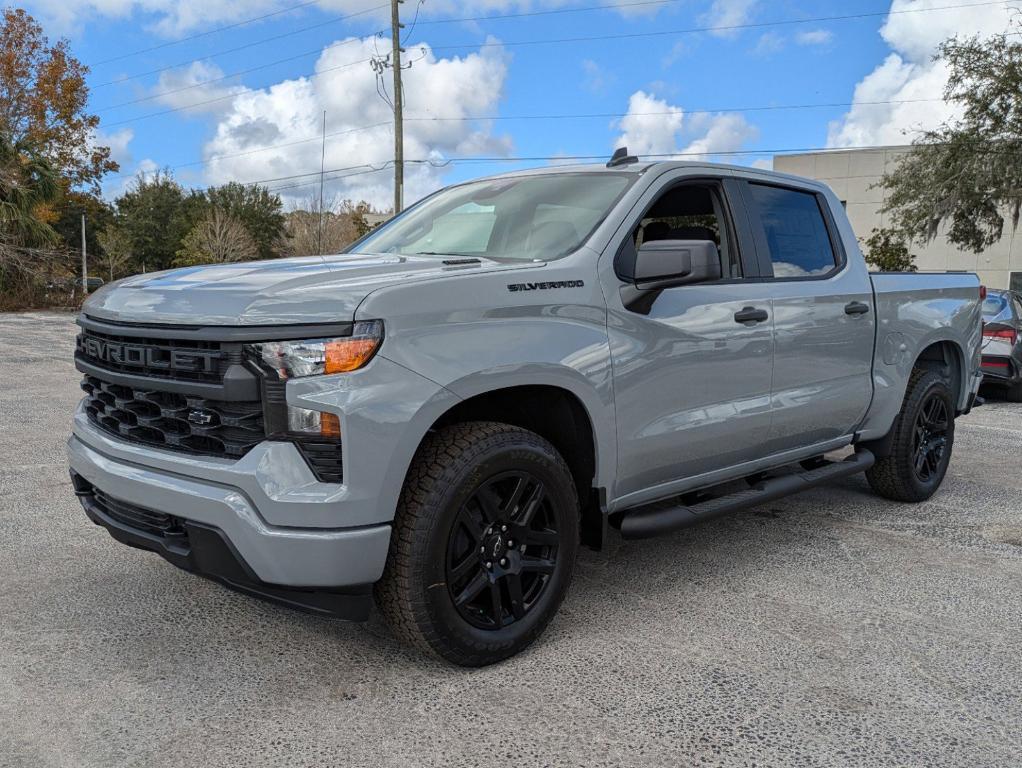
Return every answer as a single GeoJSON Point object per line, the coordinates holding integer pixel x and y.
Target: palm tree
{"type": "Point", "coordinates": [28, 183]}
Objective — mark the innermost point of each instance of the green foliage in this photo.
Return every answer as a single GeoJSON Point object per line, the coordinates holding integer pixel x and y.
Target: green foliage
{"type": "Point", "coordinates": [99, 214]}
{"type": "Point", "coordinates": [116, 253]}
{"type": "Point", "coordinates": [28, 185]}
{"type": "Point", "coordinates": [887, 251]}
{"type": "Point", "coordinates": [967, 175]}
{"type": "Point", "coordinates": [156, 214]}
{"type": "Point", "coordinates": [218, 237]}
{"type": "Point", "coordinates": [258, 210]}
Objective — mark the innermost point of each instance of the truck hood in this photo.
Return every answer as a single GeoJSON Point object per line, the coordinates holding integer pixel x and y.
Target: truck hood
{"type": "Point", "coordinates": [308, 289]}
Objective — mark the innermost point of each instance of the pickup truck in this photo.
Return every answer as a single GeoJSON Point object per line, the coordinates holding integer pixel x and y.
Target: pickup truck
{"type": "Point", "coordinates": [510, 369]}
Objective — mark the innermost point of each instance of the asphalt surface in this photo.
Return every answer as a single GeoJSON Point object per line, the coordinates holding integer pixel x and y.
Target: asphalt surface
{"type": "Point", "coordinates": [831, 628]}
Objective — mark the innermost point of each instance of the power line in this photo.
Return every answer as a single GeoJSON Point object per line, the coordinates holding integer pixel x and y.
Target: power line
{"type": "Point", "coordinates": [590, 38]}
{"type": "Point", "coordinates": [272, 38]}
{"type": "Point", "coordinates": [351, 171]}
{"type": "Point", "coordinates": [207, 33]}
{"type": "Point", "coordinates": [229, 75]}
{"type": "Point", "coordinates": [225, 98]}
{"type": "Point", "coordinates": [318, 25]}
{"type": "Point", "coordinates": [566, 116]}
{"type": "Point", "coordinates": [720, 28]}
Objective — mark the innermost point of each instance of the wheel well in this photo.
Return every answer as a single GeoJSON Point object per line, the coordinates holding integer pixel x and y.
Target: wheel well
{"type": "Point", "coordinates": [556, 415]}
{"type": "Point", "coordinates": [945, 359]}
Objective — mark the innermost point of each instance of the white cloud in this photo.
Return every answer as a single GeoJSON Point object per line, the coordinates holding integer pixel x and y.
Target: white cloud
{"type": "Point", "coordinates": [118, 142]}
{"type": "Point", "coordinates": [814, 37]}
{"type": "Point", "coordinates": [908, 74]}
{"type": "Point", "coordinates": [652, 126]}
{"type": "Point", "coordinates": [728, 13]}
{"type": "Point", "coordinates": [769, 43]}
{"type": "Point", "coordinates": [198, 88]}
{"type": "Point", "coordinates": [597, 79]}
{"type": "Point", "coordinates": [346, 88]}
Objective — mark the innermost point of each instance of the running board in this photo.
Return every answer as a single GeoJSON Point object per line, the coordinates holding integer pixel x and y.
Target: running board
{"type": "Point", "coordinates": [665, 516]}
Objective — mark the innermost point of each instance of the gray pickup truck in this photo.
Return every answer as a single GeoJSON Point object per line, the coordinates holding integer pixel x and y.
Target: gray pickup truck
{"type": "Point", "coordinates": [508, 370]}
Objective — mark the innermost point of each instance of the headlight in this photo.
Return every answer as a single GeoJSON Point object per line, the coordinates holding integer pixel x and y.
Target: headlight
{"type": "Point", "coordinates": [309, 357]}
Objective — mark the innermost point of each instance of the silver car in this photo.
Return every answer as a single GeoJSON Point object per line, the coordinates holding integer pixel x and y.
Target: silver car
{"type": "Point", "coordinates": [1002, 342]}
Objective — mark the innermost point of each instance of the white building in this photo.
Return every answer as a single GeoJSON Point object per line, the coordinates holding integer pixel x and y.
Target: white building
{"type": "Point", "coordinates": [853, 174]}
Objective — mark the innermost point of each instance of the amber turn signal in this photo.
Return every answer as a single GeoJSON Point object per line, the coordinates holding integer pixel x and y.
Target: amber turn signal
{"type": "Point", "coordinates": [343, 355]}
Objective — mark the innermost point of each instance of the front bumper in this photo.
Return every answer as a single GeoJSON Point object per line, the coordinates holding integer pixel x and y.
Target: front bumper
{"type": "Point", "coordinates": [206, 551]}
{"type": "Point", "coordinates": [273, 556]}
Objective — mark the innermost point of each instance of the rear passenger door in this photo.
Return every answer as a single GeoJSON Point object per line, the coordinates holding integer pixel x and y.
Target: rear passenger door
{"type": "Point", "coordinates": [823, 314]}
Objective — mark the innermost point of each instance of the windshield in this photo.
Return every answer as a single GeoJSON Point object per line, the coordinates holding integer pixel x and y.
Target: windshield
{"type": "Point", "coordinates": [994, 305]}
{"type": "Point", "coordinates": [523, 218]}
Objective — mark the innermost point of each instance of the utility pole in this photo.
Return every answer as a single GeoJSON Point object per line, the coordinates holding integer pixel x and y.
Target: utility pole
{"type": "Point", "coordinates": [399, 139]}
{"type": "Point", "coordinates": [85, 268]}
{"type": "Point", "coordinates": [322, 166]}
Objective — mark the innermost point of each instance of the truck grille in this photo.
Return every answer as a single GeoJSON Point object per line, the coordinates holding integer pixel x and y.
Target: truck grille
{"type": "Point", "coordinates": [174, 421]}
{"type": "Point", "coordinates": [178, 359]}
{"type": "Point", "coordinates": [147, 520]}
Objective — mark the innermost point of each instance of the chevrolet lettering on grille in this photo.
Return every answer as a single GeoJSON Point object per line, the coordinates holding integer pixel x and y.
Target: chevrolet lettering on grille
{"type": "Point", "coordinates": [142, 356]}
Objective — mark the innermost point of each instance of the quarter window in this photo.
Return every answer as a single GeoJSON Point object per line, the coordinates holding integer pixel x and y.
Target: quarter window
{"type": "Point", "coordinates": [795, 231]}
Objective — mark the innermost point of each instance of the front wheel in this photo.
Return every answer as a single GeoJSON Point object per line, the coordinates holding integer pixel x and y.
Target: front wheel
{"type": "Point", "coordinates": [483, 544]}
{"type": "Point", "coordinates": [923, 438]}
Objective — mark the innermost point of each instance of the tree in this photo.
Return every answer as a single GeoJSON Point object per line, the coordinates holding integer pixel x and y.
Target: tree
{"type": "Point", "coordinates": [966, 174]}
{"type": "Point", "coordinates": [218, 237]}
{"type": "Point", "coordinates": [28, 186]}
{"type": "Point", "coordinates": [888, 251]}
{"type": "Point", "coordinates": [258, 209]}
{"type": "Point", "coordinates": [99, 215]}
{"type": "Point", "coordinates": [116, 252]}
{"type": "Point", "coordinates": [156, 215]}
{"type": "Point", "coordinates": [303, 234]}
{"type": "Point", "coordinates": [43, 100]}
{"type": "Point", "coordinates": [357, 213]}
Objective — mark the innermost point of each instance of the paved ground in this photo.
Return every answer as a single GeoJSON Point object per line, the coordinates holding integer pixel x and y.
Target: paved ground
{"type": "Point", "coordinates": [831, 628]}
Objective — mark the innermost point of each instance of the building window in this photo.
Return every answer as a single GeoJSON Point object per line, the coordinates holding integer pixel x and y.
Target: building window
{"type": "Point", "coordinates": [1016, 282]}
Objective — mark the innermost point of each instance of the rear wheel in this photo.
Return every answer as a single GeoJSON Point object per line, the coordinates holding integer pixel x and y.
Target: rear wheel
{"type": "Point", "coordinates": [923, 439]}
{"type": "Point", "coordinates": [484, 543]}
{"type": "Point", "coordinates": [1014, 393]}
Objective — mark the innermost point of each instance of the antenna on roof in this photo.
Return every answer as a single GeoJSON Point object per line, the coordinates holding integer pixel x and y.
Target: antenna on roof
{"type": "Point", "coordinates": [621, 157]}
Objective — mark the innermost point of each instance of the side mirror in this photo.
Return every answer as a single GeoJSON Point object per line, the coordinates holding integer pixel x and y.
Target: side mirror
{"type": "Point", "coordinates": [668, 263]}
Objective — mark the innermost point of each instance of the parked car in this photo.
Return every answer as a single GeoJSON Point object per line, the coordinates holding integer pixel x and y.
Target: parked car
{"type": "Point", "coordinates": [75, 283]}
{"type": "Point", "coordinates": [1002, 342]}
{"type": "Point", "coordinates": [509, 368]}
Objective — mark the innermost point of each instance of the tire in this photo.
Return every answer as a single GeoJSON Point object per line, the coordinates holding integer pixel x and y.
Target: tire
{"type": "Point", "coordinates": [899, 477]}
{"type": "Point", "coordinates": [1013, 393]}
{"type": "Point", "coordinates": [465, 483]}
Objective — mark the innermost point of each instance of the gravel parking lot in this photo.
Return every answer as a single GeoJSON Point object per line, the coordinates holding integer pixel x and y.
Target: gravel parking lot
{"type": "Point", "coordinates": [831, 628]}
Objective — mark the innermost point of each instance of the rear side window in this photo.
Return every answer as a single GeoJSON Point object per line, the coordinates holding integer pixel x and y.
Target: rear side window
{"type": "Point", "coordinates": [795, 231]}
{"type": "Point", "coordinates": [994, 305]}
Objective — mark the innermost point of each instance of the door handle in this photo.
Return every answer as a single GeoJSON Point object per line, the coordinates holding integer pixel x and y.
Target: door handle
{"type": "Point", "coordinates": [856, 308]}
{"type": "Point", "coordinates": [751, 315]}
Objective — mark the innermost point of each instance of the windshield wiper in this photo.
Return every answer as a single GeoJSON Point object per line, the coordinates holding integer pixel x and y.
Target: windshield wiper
{"type": "Point", "coordinates": [446, 253]}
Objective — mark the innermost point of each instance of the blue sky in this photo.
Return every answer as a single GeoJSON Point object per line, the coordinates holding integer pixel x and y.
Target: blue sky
{"type": "Point", "coordinates": [723, 91]}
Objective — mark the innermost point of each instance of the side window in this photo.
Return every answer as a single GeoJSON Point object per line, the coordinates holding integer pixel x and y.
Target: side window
{"type": "Point", "coordinates": [795, 231]}
{"type": "Point", "coordinates": [690, 212]}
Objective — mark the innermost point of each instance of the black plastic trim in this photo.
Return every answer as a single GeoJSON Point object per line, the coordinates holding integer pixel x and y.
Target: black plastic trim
{"type": "Point", "coordinates": [227, 333]}
{"type": "Point", "coordinates": [239, 383]}
{"type": "Point", "coordinates": [206, 551]}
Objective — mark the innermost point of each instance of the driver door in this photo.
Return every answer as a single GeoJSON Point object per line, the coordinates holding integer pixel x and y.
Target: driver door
{"type": "Point", "coordinates": [692, 380]}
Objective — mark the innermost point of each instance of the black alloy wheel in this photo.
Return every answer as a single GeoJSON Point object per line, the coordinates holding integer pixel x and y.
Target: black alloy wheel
{"type": "Point", "coordinates": [483, 544]}
{"type": "Point", "coordinates": [921, 440]}
{"type": "Point", "coordinates": [502, 550]}
{"type": "Point", "coordinates": [930, 438]}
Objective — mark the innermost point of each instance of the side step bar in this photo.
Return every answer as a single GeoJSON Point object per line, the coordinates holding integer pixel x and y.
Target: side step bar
{"type": "Point", "coordinates": [665, 516]}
